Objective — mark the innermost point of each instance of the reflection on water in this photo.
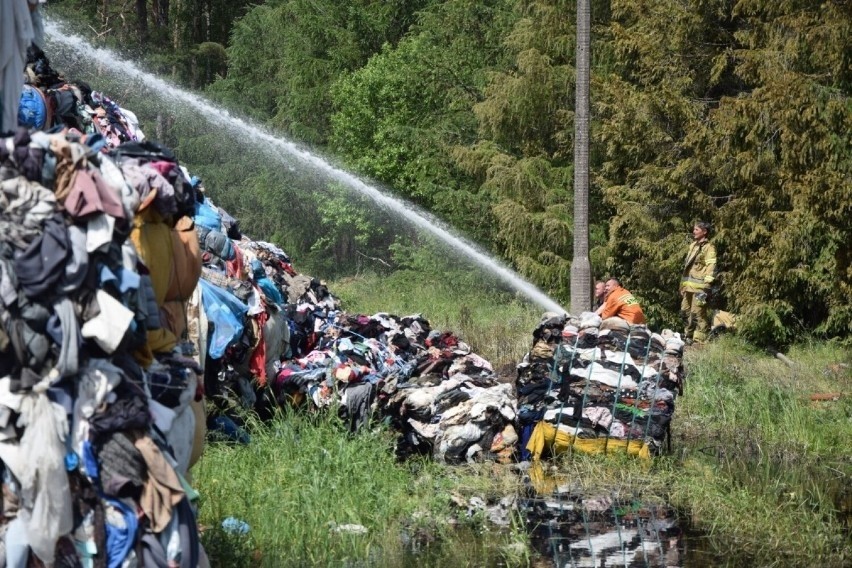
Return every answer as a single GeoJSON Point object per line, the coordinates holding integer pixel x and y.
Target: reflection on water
{"type": "Point", "coordinates": [598, 532]}
{"type": "Point", "coordinates": [571, 529]}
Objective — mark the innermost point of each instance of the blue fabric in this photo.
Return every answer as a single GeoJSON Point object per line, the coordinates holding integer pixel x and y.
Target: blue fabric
{"type": "Point", "coordinates": [226, 312]}
{"type": "Point", "coordinates": [207, 216]}
{"type": "Point", "coordinates": [526, 434]}
{"type": "Point", "coordinates": [32, 110]}
{"type": "Point", "coordinates": [124, 281]}
{"type": "Point", "coordinates": [229, 429]}
{"type": "Point", "coordinates": [270, 290]}
{"type": "Point", "coordinates": [90, 462]}
{"type": "Point", "coordinates": [119, 541]}
{"type": "Point", "coordinates": [96, 141]}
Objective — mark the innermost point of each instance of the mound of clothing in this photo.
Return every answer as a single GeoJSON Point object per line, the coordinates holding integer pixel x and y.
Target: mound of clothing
{"type": "Point", "coordinates": [597, 386]}
{"type": "Point", "coordinates": [444, 400]}
{"type": "Point", "coordinates": [99, 388]}
{"type": "Point", "coordinates": [275, 337]}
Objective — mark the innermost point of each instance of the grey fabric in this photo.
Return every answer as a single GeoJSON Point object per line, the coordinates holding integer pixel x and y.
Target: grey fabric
{"type": "Point", "coordinates": [42, 264]}
{"type": "Point", "coordinates": [215, 242]}
{"type": "Point", "coordinates": [68, 362]}
{"type": "Point", "coordinates": [77, 264]}
{"type": "Point", "coordinates": [121, 464]}
{"type": "Point", "coordinates": [24, 207]}
{"type": "Point", "coordinates": [358, 399]}
{"type": "Point", "coordinates": [297, 286]}
{"type": "Point", "coordinates": [34, 319]}
{"type": "Point", "coordinates": [8, 281]}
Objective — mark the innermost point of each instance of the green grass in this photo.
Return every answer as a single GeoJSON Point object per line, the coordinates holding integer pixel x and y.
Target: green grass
{"type": "Point", "coordinates": [763, 467]}
{"type": "Point", "coordinates": [302, 475]}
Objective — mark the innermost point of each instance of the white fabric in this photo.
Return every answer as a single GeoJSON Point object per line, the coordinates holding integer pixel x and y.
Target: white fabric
{"type": "Point", "coordinates": [99, 232]}
{"type": "Point", "coordinates": [9, 402]}
{"type": "Point", "coordinates": [428, 431]}
{"type": "Point", "coordinates": [96, 382]}
{"type": "Point", "coordinates": [109, 326]}
{"type": "Point", "coordinates": [423, 397]}
{"type": "Point", "coordinates": [599, 373]}
{"type": "Point", "coordinates": [46, 496]}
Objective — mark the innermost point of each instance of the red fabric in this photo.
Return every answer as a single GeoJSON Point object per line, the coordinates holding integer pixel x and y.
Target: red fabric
{"type": "Point", "coordinates": [163, 167]}
{"type": "Point", "coordinates": [235, 268]}
{"type": "Point", "coordinates": [257, 364]}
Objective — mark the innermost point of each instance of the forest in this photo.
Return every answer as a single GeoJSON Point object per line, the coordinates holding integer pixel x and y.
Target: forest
{"type": "Point", "coordinates": [736, 112]}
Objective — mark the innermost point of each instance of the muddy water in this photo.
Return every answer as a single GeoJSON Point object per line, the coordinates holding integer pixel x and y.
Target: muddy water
{"type": "Point", "coordinates": [596, 532]}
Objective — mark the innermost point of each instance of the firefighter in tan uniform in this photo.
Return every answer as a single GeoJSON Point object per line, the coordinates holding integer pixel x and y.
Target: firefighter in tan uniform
{"type": "Point", "coordinates": [699, 270]}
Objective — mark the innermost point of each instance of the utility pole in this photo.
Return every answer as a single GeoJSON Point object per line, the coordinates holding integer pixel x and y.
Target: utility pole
{"type": "Point", "coordinates": [581, 268]}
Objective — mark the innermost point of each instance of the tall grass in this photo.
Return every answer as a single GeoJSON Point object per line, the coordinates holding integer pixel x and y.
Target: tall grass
{"type": "Point", "coordinates": [765, 468]}
{"type": "Point", "coordinates": [304, 483]}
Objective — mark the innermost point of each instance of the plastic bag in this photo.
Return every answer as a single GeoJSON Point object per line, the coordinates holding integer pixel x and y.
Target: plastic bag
{"type": "Point", "coordinates": [226, 313]}
{"type": "Point", "coordinates": [47, 510]}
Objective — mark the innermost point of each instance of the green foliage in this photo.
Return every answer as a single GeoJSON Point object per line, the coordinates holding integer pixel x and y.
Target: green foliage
{"type": "Point", "coordinates": [285, 55]}
{"type": "Point", "coordinates": [252, 64]}
{"type": "Point", "coordinates": [523, 156]}
{"type": "Point", "coordinates": [740, 117]}
{"type": "Point", "coordinates": [397, 118]}
{"type": "Point", "coordinates": [348, 233]}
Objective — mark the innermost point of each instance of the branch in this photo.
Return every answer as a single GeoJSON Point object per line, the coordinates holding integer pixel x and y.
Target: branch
{"type": "Point", "coordinates": [373, 258]}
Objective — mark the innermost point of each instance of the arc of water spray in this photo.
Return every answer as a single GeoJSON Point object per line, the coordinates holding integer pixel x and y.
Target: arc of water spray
{"type": "Point", "coordinates": [220, 117]}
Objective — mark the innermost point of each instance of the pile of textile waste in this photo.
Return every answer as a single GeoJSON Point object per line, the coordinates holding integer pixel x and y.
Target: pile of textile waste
{"type": "Point", "coordinates": [276, 337]}
{"type": "Point", "coordinates": [99, 389]}
{"type": "Point", "coordinates": [597, 386]}
{"type": "Point", "coordinates": [443, 399]}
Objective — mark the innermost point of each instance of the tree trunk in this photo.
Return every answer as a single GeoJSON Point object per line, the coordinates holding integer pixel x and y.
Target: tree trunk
{"type": "Point", "coordinates": [142, 20]}
{"type": "Point", "coordinates": [160, 10]}
{"type": "Point", "coordinates": [581, 269]}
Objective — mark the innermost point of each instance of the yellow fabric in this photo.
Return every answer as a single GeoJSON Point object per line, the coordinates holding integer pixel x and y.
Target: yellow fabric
{"type": "Point", "coordinates": [161, 340]}
{"type": "Point", "coordinates": [144, 356]}
{"type": "Point", "coordinates": [546, 436]}
{"type": "Point", "coordinates": [153, 241]}
{"type": "Point", "coordinates": [726, 319]}
{"type": "Point", "coordinates": [186, 267]}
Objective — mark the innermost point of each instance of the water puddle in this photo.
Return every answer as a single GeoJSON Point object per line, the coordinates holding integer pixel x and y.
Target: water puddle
{"type": "Point", "coordinates": [569, 530]}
